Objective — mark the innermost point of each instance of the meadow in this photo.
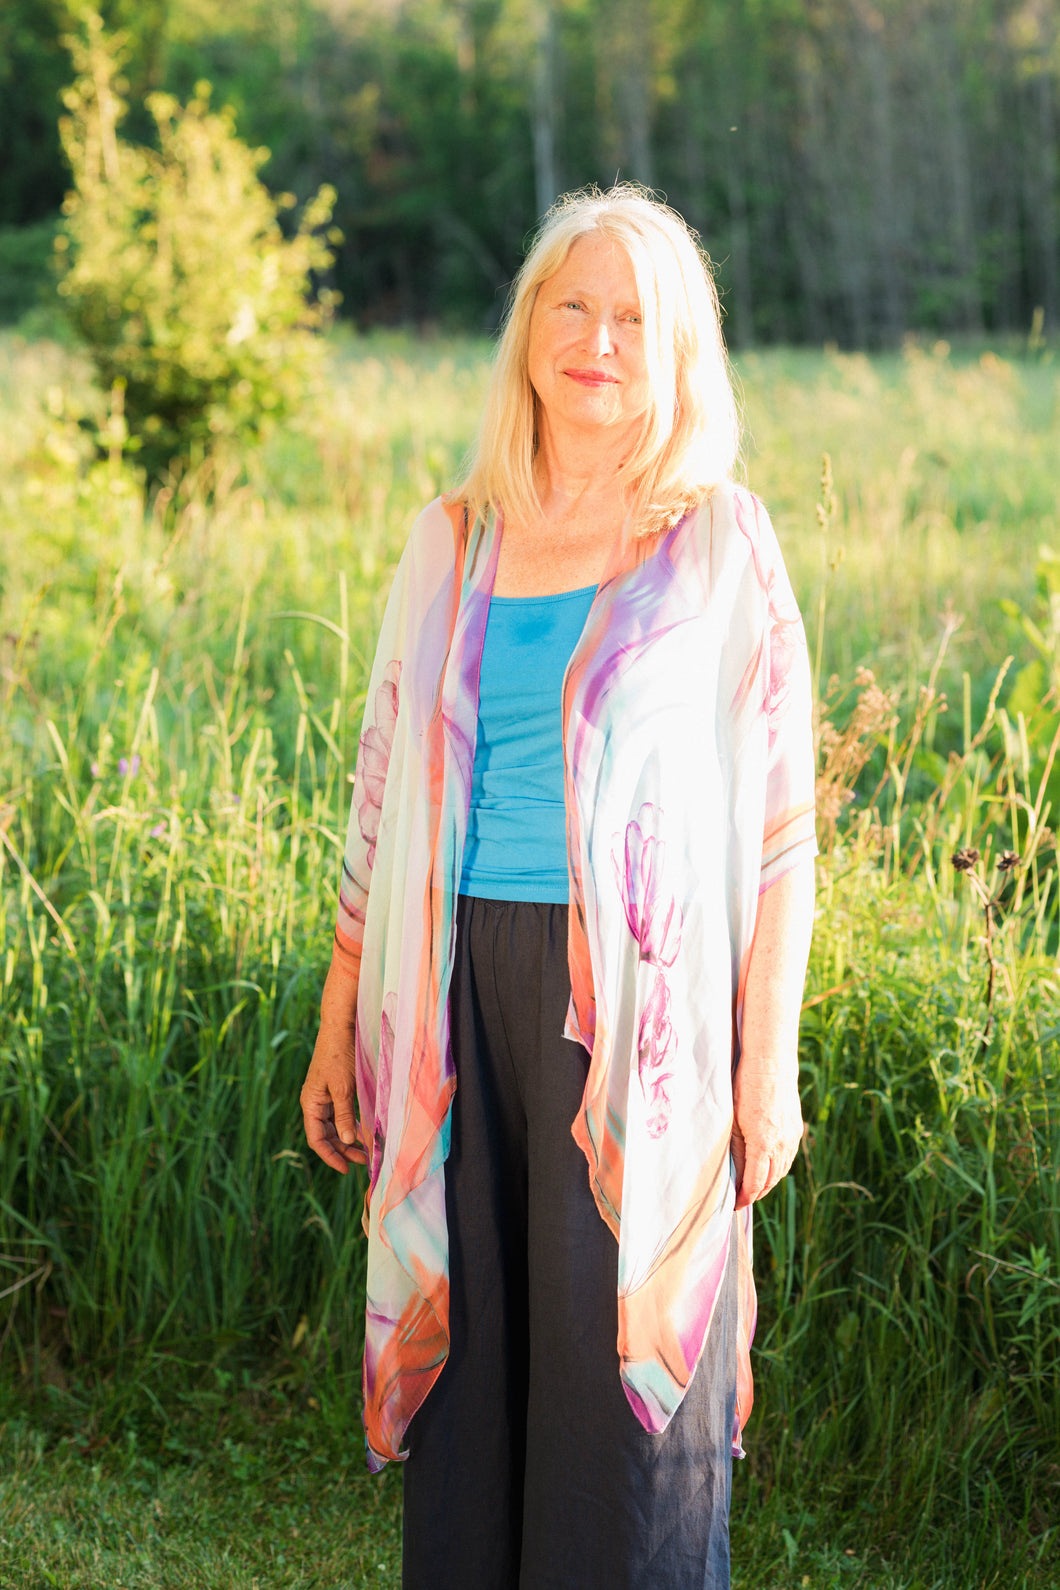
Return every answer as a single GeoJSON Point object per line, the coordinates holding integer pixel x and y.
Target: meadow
{"type": "Point", "coordinates": [181, 682]}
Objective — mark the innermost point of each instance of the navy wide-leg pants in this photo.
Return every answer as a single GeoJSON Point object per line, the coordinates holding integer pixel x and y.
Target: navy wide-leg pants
{"type": "Point", "coordinates": [527, 1468]}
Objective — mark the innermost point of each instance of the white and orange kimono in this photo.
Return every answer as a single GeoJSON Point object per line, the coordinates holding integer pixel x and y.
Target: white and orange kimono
{"type": "Point", "coordinates": [689, 790]}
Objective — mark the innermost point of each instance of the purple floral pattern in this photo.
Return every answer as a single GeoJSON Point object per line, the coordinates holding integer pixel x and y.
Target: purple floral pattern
{"type": "Point", "coordinates": [785, 643]}
{"type": "Point", "coordinates": [652, 913]}
{"type": "Point", "coordinates": [374, 758]}
{"type": "Point", "coordinates": [656, 1040]}
{"type": "Point", "coordinates": [654, 919]}
{"type": "Point", "coordinates": [786, 637]}
{"type": "Point", "coordinates": [374, 1075]}
{"type": "Point", "coordinates": [384, 1075]}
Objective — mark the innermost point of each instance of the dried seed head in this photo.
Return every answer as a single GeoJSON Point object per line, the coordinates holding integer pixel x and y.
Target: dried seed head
{"type": "Point", "coordinates": [964, 860]}
{"type": "Point", "coordinates": [1007, 860]}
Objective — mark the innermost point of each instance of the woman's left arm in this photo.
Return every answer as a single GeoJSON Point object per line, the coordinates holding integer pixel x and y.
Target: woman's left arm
{"type": "Point", "coordinates": [767, 1116]}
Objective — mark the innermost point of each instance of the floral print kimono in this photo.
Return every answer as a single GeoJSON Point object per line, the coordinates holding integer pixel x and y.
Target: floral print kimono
{"type": "Point", "coordinates": [689, 790]}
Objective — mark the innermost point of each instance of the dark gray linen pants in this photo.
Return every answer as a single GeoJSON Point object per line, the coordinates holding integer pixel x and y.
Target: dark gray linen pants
{"type": "Point", "coordinates": [527, 1468]}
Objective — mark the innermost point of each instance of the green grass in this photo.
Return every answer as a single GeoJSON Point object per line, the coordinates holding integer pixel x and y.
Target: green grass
{"type": "Point", "coordinates": [239, 1489]}
{"type": "Point", "coordinates": [231, 1494]}
{"type": "Point", "coordinates": [180, 693]}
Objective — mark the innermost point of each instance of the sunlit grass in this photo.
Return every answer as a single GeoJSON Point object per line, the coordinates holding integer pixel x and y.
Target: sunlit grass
{"type": "Point", "coordinates": [180, 692]}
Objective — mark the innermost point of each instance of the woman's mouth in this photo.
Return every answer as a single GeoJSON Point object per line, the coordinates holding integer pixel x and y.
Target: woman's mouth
{"type": "Point", "coordinates": [592, 377]}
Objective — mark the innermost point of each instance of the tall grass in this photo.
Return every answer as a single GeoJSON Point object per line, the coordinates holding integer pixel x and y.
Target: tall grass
{"type": "Point", "coordinates": [180, 694]}
{"type": "Point", "coordinates": [909, 1356]}
{"type": "Point", "coordinates": [166, 917]}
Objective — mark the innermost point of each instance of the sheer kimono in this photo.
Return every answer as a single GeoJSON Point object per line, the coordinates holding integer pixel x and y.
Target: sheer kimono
{"type": "Point", "coordinates": [689, 781]}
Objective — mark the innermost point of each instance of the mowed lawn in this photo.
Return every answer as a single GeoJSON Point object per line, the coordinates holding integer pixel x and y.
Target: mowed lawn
{"type": "Point", "coordinates": [181, 681]}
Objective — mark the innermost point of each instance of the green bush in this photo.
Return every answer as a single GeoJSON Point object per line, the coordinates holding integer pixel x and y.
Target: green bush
{"type": "Point", "coordinates": [25, 252]}
{"type": "Point", "coordinates": [176, 273]}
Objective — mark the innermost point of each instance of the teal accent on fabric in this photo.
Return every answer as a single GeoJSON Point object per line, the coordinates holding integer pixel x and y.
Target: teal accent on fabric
{"type": "Point", "coordinates": [516, 847]}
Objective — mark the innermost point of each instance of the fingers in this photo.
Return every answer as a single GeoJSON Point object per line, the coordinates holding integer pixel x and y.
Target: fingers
{"type": "Point", "coordinates": [767, 1125]}
{"type": "Point", "coordinates": [335, 1145]}
{"type": "Point", "coordinates": [751, 1168]}
{"type": "Point", "coordinates": [320, 1131]}
{"type": "Point", "coordinates": [761, 1160]}
{"type": "Point", "coordinates": [758, 1176]}
{"type": "Point", "coordinates": [328, 1094]}
{"type": "Point", "coordinates": [345, 1119]}
{"type": "Point", "coordinates": [328, 1103]}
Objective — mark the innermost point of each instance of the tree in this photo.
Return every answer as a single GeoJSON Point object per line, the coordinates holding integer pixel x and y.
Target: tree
{"type": "Point", "coordinates": [177, 274]}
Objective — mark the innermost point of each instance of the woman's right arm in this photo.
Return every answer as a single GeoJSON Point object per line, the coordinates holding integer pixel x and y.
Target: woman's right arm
{"type": "Point", "coordinates": [328, 1092]}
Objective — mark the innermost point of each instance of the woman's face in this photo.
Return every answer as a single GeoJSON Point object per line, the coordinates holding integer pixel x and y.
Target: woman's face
{"type": "Point", "coordinates": [586, 356]}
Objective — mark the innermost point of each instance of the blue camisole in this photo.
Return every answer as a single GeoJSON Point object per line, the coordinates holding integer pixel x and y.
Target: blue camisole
{"type": "Point", "coordinates": [516, 847]}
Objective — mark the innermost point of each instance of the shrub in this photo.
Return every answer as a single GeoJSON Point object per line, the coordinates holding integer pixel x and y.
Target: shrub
{"type": "Point", "coordinates": [192, 302]}
{"type": "Point", "coordinates": [25, 252]}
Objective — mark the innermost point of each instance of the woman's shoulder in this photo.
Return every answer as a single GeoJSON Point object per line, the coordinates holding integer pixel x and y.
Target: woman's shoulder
{"type": "Point", "coordinates": [733, 519]}
{"type": "Point", "coordinates": [441, 520]}
{"type": "Point", "coordinates": [431, 546]}
{"type": "Point", "coordinates": [738, 505]}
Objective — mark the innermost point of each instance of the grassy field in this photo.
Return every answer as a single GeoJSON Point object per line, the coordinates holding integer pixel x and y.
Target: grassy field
{"type": "Point", "coordinates": [180, 690]}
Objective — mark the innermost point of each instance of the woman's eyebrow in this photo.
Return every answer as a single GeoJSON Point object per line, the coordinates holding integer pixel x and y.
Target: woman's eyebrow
{"type": "Point", "coordinates": [587, 292]}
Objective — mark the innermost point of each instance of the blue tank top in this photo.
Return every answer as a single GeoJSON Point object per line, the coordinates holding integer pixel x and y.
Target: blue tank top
{"type": "Point", "coordinates": [516, 847]}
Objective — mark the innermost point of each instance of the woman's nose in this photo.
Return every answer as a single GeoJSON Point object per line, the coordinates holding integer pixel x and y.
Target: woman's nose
{"type": "Point", "coordinates": [599, 336]}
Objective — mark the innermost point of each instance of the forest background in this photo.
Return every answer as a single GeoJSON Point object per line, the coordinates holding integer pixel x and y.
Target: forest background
{"type": "Point", "coordinates": [857, 168]}
{"type": "Point", "coordinates": [183, 656]}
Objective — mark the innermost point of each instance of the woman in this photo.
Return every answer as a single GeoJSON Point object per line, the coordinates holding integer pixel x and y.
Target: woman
{"type": "Point", "coordinates": [560, 1021]}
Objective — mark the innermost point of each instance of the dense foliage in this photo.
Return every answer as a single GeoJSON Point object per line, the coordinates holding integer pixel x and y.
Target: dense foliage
{"type": "Point", "coordinates": [858, 168]}
{"type": "Point", "coordinates": [177, 277]}
{"type": "Point", "coordinates": [179, 705]}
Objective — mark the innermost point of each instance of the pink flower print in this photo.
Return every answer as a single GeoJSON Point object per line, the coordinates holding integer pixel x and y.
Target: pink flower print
{"type": "Point", "coordinates": [785, 627]}
{"type": "Point", "coordinates": [659, 1102]}
{"type": "Point", "coordinates": [785, 640]}
{"type": "Point", "coordinates": [384, 1074]}
{"type": "Point", "coordinates": [652, 913]}
{"type": "Point", "coordinates": [656, 1029]}
{"type": "Point", "coordinates": [656, 1040]}
{"type": "Point", "coordinates": [374, 1074]}
{"type": "Point", "coordinates": [374, 758]}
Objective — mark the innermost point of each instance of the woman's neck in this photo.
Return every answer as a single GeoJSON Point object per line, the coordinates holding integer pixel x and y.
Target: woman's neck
{"type": "Point", "coordinates": [584, 509]}
{"type": "Point", "coordinates": [573, 466]}
{"type": "Point", "coordinates": [578, 476]}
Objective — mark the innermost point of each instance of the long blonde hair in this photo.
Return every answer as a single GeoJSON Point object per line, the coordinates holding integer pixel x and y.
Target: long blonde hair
{"type": "Point", "coordinates": [691, 432]}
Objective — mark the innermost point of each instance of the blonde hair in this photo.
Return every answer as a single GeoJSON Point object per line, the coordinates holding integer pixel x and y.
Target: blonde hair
{"type": "Point", "coordinates": [691, 433]}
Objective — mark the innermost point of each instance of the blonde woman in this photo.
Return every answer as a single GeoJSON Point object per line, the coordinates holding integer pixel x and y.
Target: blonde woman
{"type": "Point", "coordinates": [560, 1022]}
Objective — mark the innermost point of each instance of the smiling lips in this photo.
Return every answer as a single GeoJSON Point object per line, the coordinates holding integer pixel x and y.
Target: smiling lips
{"type": "Point", "coordinates": [592, 377]}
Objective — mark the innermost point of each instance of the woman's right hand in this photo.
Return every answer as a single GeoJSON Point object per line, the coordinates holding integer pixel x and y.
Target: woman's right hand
{"type": "Point", "coordinates": [329, 1092]}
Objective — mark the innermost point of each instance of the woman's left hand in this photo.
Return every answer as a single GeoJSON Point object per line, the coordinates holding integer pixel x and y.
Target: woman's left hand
{"type": "Point", "coordinates": [767, 1117]}
{"type": "Point", "coordinates": [767, 1125]}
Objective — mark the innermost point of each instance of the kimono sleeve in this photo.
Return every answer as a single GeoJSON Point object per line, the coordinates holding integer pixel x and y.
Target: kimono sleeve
{"type": "Point", "coordinates": [789, 835]}
{"type": "Point", "coordinates": [369, 779]}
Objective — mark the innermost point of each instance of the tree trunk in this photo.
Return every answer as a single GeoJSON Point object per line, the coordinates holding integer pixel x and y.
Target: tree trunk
{"type": "Point", "coordinates": [1043, 212]}
{"type": "Point", "coordinates": [546, 99]}
{"type": "Point", "coordinates": [625, 55]}
{"type": "Point", "coordinates": [739, 236]}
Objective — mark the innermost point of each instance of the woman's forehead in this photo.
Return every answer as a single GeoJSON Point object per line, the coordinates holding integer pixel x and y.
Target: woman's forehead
{"type": "Point", "coordinates": [594, 260]}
